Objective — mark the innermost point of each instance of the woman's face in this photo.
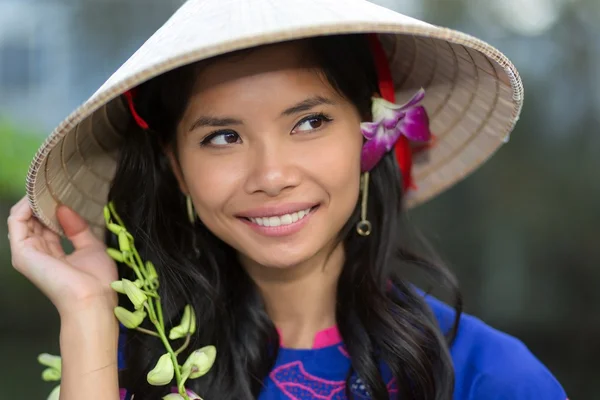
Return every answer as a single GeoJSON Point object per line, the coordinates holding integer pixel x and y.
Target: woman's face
{"type": "Point", "coordinates": [270, 154]}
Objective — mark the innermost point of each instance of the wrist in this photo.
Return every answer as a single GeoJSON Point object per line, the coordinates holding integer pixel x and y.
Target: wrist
{"type": "Point", "coordinates": [89, 324]}
{"type": "Point", "coordinates": [89, 349]}
{"type": "Point", "coordinates": [94, 333]}
{"type": "Point", "coordinates": [99, 306]}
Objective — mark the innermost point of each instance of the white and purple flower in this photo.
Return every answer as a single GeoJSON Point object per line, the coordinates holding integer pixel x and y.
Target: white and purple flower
{"type": "Point", "coordinates": [176, 396]}
{"type": "Point", "coordinates": [390, 121]}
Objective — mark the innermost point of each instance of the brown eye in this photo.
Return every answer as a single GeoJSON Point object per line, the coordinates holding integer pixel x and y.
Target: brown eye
{"type": "Point", "coordinates": [221, 138]}
{"type": "Point", "coordinates": [230, 137]}
{"type": "Point", "coordinates": [311, 123]}
{"type": "Point", "coordinates": [315, 123]}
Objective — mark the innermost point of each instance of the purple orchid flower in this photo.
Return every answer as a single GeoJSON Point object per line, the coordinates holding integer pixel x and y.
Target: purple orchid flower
{"type": "Point", "coordinates": [390, 121]}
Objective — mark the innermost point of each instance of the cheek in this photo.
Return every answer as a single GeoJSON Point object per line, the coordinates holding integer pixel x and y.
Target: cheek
{"type": "Point", "coordinates": [341, 155]}
{"type": "Point", "coordinates": [210, 184]}
{"type": "Point", "coordinates": [337, 164]}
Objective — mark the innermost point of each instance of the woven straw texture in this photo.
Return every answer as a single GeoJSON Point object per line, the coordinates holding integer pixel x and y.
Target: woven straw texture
{"type": "Point", "coordinates": [474, 93]}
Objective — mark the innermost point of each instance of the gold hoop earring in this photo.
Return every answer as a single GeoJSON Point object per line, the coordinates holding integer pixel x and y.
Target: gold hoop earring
{"type": "Point", "coordinates": [364, 226]}
{"type": "Point", "coordinates": [190, 209]}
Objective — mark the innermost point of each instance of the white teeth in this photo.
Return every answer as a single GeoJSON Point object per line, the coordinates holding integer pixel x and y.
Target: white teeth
{"type": "Point", "coordinates": [282, 219]}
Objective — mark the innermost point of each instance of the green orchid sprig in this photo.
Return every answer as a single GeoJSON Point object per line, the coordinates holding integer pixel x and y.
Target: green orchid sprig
{"type": "Point", "coordinates": [143, 294]}
{"type": "Point", "coordinates": [52, 373]}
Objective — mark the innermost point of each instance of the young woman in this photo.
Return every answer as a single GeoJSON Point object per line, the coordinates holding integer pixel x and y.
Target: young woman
{"type": "Point", "coordinates": [256, 154]}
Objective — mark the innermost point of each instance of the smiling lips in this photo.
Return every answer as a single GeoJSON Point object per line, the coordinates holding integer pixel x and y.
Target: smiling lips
{"type": "Point", "coordinates": [280, 220]}
{"type": "Point", "coordinates": [285, 219]}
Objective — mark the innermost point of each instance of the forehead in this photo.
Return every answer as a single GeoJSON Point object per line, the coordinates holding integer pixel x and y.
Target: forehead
{"type": "Point", "coordinates": [281, 66]}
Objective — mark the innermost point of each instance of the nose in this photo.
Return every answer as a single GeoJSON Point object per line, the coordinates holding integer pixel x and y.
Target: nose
{"type": "Point", "coordinates": [272, 170]}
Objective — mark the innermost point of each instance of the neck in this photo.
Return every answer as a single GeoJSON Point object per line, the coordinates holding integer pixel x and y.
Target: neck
{"type": "Point", "coordinates": [300, 299]}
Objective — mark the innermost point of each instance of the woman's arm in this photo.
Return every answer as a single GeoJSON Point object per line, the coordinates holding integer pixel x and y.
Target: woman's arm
{"type": "Point", "coordinates": [78, 284]}
{"type": "Point", "coordinates": [89, 347]}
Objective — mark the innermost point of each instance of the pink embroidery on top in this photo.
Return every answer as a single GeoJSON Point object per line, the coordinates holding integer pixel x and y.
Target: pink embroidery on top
{"type": "Point", "coordinates": [344, 352]}
{"type": "Point", "coordinates": [293, 380]}
{"type": "Point", "coordinates": [392, 387]}
{"type": "Point", "coordinates": [297, 384]}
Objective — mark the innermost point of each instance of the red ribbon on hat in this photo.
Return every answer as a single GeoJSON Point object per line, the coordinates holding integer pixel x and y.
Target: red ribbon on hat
{"type": "Point", "coordinates": [129, 96]}
{"type": "Point", "coordinates": [386, 89]}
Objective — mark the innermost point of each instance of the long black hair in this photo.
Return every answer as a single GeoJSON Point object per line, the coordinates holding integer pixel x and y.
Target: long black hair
{"type": "Point", "coordinates": [381, 317]}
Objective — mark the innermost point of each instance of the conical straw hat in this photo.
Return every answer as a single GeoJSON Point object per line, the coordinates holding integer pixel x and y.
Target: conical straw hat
{"type": "Point", "coordinates": [474, 93]}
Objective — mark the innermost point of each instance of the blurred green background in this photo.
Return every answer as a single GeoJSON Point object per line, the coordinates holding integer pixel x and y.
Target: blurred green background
{"type": "Point", "coordinates": [522, 233]}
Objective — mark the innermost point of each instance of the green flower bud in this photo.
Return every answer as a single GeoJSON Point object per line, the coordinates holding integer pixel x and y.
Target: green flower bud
{"type": "Point", "coordinates": [106, 215]}
{"type": "Point", "coordinates": [54, 394]}
{"type": "Point", "coordinates": [129, 319]}
{"type": "Point", "coordinates": [151, 270]}
{"type": "Point", "coordinates": [187, 325]}
{"type": "Point", "coordinates": [199, 362]}
{"type": "Point", "coordinates": [117, 286]}
{"type": "Point", "coordinates": [50, 361]}
{"type": "Point", "coordinates": [152, 275]}
{"type": "Point", "coordinates": [124, 243]}
{"type": "Point", "coordinates": [114, 228]}
{"type": "Point", "coordinates": [134, 293]}
{"type": "Point", "coordinates": [51, 374]}
{"type": "Point", "coordinates": [163, 372]}
{"type": "Point", "coordinates": [115, 255]}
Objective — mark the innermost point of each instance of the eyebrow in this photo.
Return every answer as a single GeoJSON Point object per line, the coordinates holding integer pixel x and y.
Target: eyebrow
{"type": "Point", "coordinates": [220, 122]}
{"type": "Point", "coordinates": [306, 105]}
{"type": "Point", "coordinates": [217, 122]}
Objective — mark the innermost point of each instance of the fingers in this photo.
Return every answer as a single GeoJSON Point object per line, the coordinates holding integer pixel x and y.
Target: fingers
{"type": "Point", "coordinates": [76, 228]}
{"type": "Point", "coordinates": [53, 242]}
{"type": "Point", "coordinates": [18, 219]}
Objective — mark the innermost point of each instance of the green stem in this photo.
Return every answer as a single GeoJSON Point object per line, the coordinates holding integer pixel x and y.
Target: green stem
{"type": "Point", "coordinates": [184, 345]}
{"type": "Point", "coordinates": [156, 315]}
{"type": "Point", "coordinates": [160, 312]}
{"type": "Point", "coordinates": [165, 341]}
{"type": "Point", "coordinates": [141, 265]}
{"type": "Point", "coordinates": [137, 273]}
{"type": "Point", "coordinates": [147, 331]}
{"type": "Point", "coordinates": [151, 313]}
{"type": "Point", "coordinates": [150, 304]}
{"type": "Point", "coordinates": [163, 337]}
{"type": "Point", "coordinates": [111, 207]}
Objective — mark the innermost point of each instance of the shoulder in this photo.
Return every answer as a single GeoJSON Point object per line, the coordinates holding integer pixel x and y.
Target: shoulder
{"type": "Point", "coordinates": [493, 365]}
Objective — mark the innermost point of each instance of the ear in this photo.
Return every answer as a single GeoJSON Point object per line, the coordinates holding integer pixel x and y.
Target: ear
{"type": "Point", "coordinates": [176, 168]}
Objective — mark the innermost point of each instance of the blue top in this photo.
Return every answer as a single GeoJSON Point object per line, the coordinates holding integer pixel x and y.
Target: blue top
{"type": "Point", "coordinates": [489, 365]}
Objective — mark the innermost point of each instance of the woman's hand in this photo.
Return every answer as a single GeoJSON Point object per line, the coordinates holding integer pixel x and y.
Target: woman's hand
{"type": "Point", "coordinates": [73, 282]}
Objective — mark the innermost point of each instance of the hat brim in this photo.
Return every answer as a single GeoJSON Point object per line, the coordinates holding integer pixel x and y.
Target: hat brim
{"type": "Point", "coordinates": [474, 97]}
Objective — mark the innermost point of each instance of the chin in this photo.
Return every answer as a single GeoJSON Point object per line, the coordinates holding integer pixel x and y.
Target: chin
{"type": "Point", "coordinates": [280, 257]}
{"type": "Point", "coordinates": [281, 262]}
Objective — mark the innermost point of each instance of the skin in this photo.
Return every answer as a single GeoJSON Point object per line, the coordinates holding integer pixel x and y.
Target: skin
{"type": "Point", "coordinates": [267, 159]}
{"type": "Point", "coordinates": [78, 286]}
{"type": "Point", "coordinates": [278, 159]}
